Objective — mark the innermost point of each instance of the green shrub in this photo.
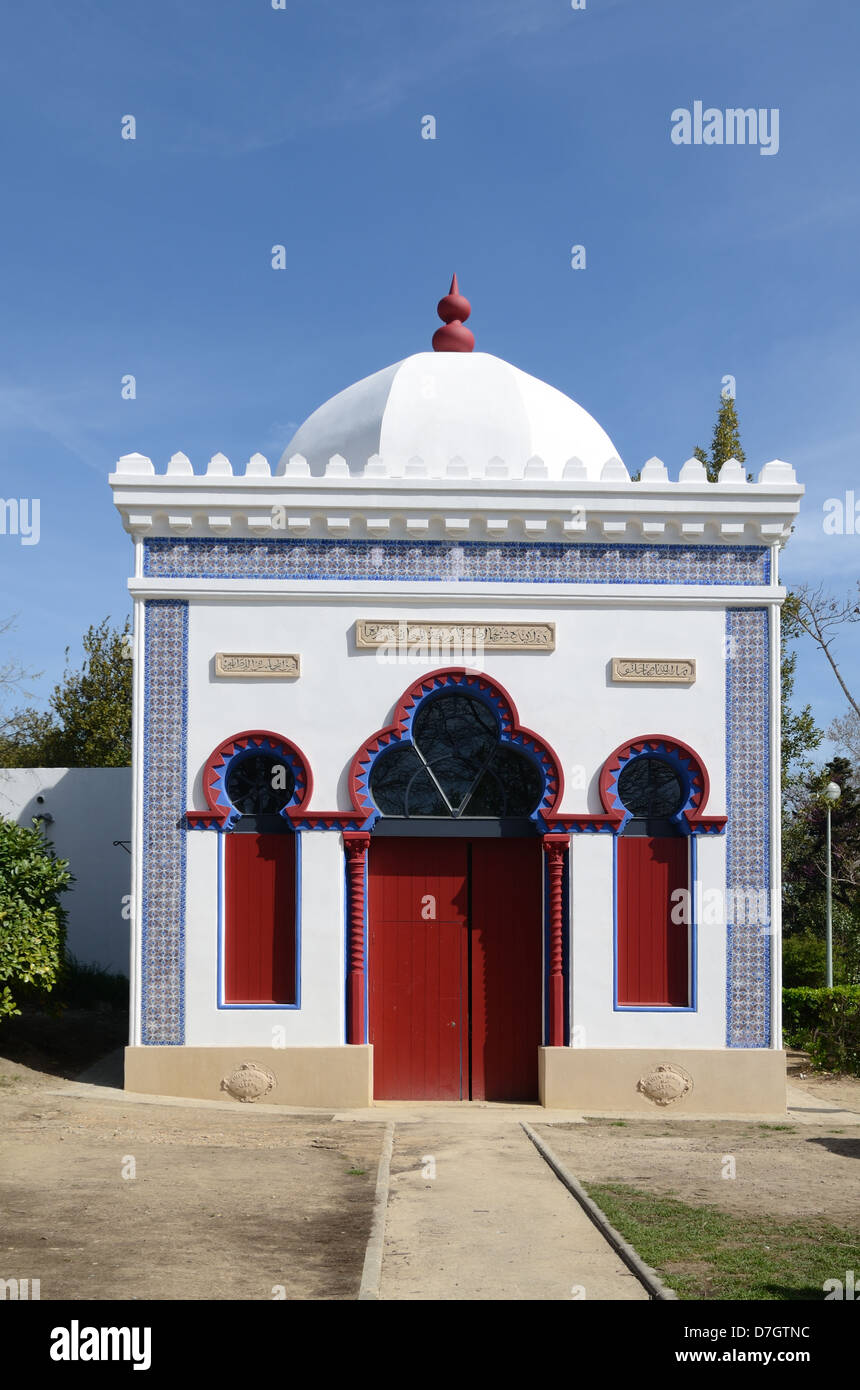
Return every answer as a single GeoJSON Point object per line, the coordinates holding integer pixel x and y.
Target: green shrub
{"type": "Point", "coordinates": [32, 920]}
{"type": "Point", "coordinates": [826, 1024]}
{"type": "Point", "coordinates": [803, 961]}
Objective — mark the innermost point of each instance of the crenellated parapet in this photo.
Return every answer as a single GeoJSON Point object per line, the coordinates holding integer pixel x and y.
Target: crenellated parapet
{"type": "Point", "coordinates": [485, 500]}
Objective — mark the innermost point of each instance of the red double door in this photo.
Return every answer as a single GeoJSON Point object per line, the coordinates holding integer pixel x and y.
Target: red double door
{"type": "Point", "coordinates": [454, 965]}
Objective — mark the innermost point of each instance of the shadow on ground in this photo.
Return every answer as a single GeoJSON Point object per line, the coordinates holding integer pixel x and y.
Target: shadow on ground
{"type": "Point", "coordinates": [65, 1042]}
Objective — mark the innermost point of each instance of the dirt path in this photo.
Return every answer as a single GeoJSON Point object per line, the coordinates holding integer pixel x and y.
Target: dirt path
{"type": "Point", "coordinates": [475, 1213]}
{"type": "Point", "coordinates": [224, 1203]}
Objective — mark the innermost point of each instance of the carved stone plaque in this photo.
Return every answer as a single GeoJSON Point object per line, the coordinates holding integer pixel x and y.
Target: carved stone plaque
{"type": "Point", "coordinates": [665, 1084]}
{"type": "Point", "coordinates": [648, 670]}
{"type": "Point", "coordinates": [500, 637]}
{"type": "Point", "coordinates": [248, 1082]}
{"type": "Point", "coordinates": [274, 664]}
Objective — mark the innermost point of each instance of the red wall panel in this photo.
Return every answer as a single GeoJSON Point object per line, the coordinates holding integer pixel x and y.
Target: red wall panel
{"type": "Point", "coordinates": [260, 926]}
{"type": "Point", "coordinates": [653, 951]}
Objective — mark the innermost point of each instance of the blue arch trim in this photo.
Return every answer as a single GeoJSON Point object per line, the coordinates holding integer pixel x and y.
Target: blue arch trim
{"type": "Point", "coordinates": [246, 748]}
{"type": "Point", "coordinates": [684, 768]}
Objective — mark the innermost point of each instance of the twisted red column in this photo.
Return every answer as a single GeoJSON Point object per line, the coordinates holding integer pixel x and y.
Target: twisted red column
{"type": "Point", "coordinates": [555, 847]}
{"type": "Point", "coordinates": [356, 846]}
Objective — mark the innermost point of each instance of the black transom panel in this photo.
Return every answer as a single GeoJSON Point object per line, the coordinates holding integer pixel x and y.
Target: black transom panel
{"type": "Point", "coordinates": [649, 787]}
{"type": "Point", "coordinates": [456, 765]}
{"type": "Point", "coordinates": [259, 784]}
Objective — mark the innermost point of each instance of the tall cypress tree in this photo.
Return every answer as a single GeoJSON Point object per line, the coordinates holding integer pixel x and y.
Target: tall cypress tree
{"type": "Point", "coordinates": [726, 443]}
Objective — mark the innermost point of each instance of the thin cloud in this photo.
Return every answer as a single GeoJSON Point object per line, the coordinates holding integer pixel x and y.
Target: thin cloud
{"type": "Point", "coordinates": [24, 407]}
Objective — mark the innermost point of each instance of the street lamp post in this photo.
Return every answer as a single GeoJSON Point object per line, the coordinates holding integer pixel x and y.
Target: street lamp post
{"type": "Point", "coordinates": [832, 792]}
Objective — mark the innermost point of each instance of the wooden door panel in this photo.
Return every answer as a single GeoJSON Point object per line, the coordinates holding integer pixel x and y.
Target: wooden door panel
{"type": "Point", "coordinates": [417, 968]}
{"type": "Point", "coordinates": [653, 951]}
{"type": "Point", "coordinates": [260, 925]}
{"type": "Point", "coordinates": [506, 968]}
{"type": "Point", "coordinates": [405, 872]}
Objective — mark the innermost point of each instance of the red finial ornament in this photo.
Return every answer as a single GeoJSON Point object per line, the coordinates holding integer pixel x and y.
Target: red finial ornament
{"type": "Point", "coordinates": [452, 310]}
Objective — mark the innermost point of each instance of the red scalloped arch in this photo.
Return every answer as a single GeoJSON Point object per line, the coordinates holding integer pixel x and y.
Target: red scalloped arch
{"type": "Point", "coordinates": [238, 742]}
{"type": "Point", "coordinates": [457, 677]}
{"type": "Point", "coordinates": [700, 786]}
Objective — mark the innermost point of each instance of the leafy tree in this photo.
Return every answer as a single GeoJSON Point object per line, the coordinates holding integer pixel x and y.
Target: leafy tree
{"type": "Point", "coordinates": [800, 733]}
{"type": "Point", "coordinates": [88, 723]}
{"type": "Point", "coordinates": [32, 919]}
{"type": "Point", "coordinates": [845, 732]}
{"type": "Point", "coordinates": [726, 441]}
{"type": "Point", "coordinates": [820, 616]}
{"type": "Point", "coordinates": [12, 673]}
{"type": "Point", "coordinates": [804, 961]}
{"type": "Point", "coordinates": [804, 867]}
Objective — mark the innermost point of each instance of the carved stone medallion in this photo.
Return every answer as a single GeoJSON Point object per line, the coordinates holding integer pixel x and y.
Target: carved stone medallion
{"type": "Point", "coordinates": [248, 1082]}
{"type": "Point", "coordinates": [665, 1084]}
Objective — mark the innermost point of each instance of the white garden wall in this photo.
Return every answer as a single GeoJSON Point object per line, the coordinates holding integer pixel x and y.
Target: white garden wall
{"type": "Point", "coordinates": [91, 807]}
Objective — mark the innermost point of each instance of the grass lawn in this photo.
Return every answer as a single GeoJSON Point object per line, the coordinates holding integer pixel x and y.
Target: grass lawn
{"type": "Point", "coordinates": [702, 1252]}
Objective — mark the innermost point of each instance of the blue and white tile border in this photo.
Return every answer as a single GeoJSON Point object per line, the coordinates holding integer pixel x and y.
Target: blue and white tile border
{"type": "Point", "coordinates": [748, 832]}
{"type": "Point", "coordinates": [165, 718]}
{"type": "Point", "coordinates": [504, 562]}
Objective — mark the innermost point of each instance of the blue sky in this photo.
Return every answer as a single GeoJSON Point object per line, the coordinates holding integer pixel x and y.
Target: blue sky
{"type": "Point", "coordinates": [302, 127]}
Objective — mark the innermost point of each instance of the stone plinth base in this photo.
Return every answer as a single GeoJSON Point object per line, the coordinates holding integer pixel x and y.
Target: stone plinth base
{"type": "Point", "coordinates": [734, 1081]}
{"type": "Point", "coordinates": [326, 1077]}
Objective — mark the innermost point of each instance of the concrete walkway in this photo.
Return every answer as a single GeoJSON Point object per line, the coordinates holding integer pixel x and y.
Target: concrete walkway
{"type": "Point", "coordinates": [816, 1110]}
{"type": "Point", "coordinates": [474, 1212]}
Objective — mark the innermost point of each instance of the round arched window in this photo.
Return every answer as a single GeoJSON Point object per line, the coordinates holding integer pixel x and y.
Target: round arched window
{"type": "Point", "coordinates": [456, 765]}
{"type": "Point", "coordinates": [650, 789]}
{"type": "Point", "coordinates": [259, 784]}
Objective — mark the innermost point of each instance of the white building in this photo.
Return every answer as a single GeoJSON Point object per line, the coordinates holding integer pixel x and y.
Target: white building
{"type": "Point", "coordinates": [456, 758]}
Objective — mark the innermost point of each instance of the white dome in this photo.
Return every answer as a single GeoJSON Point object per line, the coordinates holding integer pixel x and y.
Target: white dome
{"type": "Point", "coordinates": [443, 405]}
